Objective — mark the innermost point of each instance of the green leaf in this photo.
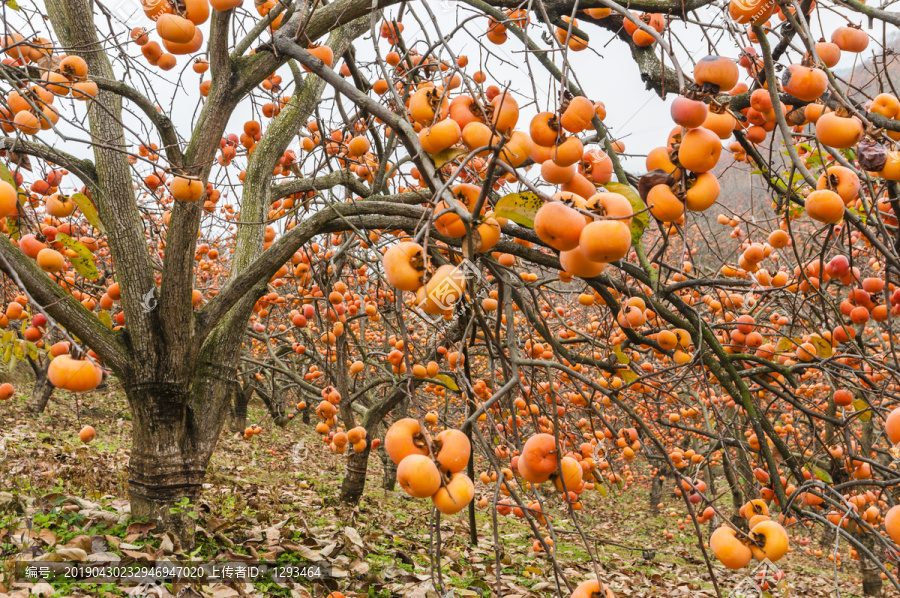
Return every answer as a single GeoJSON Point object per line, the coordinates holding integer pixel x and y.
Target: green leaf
{"type": "Point", "coordinates": [601, 489]}
{"type": "Point", "coordinates": [822, 475]}
{"type": "Point", "coordinates": [87, 208]}
{"type": "Point", "coordinates": [519, 207]}
{"type": "Point", "coordinates": [448, 155]}
{"type": "Point", "coordinates": [18, 353]}
{"type": "Point", "coordinates": [31, 349]}
{"type": "Point", "coordinates": [620, 356]}
{"type": "Point", "coordinates": [448, 382]}
{"type": "Point", "coordinates": [860, 405]}
{"type": "Point", "coordinates": [859, 212]}
{"type": "Point", "coordinates": [642, 220]}
{"type": "Point", "coordinates": [12, 4]}
{"type": "Point", "coordinates": [823, 347]}
{"type": "Point", "coordinates": [12, 225]}
{"type": "Point", "coordinates": [7, 354]}
{"type": "Point", "coordinates": [84, 263]}
{"type": "Point", "coordinates": [628, 376]}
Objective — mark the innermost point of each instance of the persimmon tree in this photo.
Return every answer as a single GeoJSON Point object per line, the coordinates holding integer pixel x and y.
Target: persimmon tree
{"type": "Point", "coordinates": [411, 244]}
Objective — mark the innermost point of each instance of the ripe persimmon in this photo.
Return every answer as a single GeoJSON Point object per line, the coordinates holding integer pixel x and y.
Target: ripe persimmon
{"type": "Point", "coordinates": [405, 438]}
{"type": "Point", "coordinates": [803, 82]}
{"type": "Point", "coordinates": [699, 150]}
{"type": "Point", "coordinates": [719, 72]}
{"type": "Point", "coordinates": [76, 375]}
{"type": "Point", "coordinates": [730, 551]}
{"type": "Point", "coordinates": [850, 39]}
{"type": "Point", "coordinates": [577, 115]}
{"type": "Point", "coordinates": [87, 434]}
{"type": "Point", "coordinates": [664, 204]}
{"type": "Point", "coordinates": [567, 152]}
{"type": "Point", "coordinates": [404, 266]}
{"type": "Point", "coordinates": [439, 136]}
{"type": "Point", "coordinates": [175, 29]}
{"type": "Point", "coordinates": [577, 263]}
{"type": "Point", "coordinates": [558, 225]}
{"type": "Point", "coordinates": [453, 450]}
{"type": "Point", "coordinates": [702, 192]}
{"type": "Point", "coordinates": [51, 260]}
{"type": "Point", "coordinates": [688, 113]}
{"type": "Point", "coordinates": [418, 476]}
{"type": "Point", "coordinates": [825, 206]}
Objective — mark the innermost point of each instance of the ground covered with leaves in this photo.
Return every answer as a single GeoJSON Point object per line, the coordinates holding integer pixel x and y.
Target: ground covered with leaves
{"type": "Point", "coordinates": [274, 498]}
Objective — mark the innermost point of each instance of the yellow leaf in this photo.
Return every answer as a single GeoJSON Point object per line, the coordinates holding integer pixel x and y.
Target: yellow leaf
{"type": "Point", "coordinates": [823, 347]}
{"type": "Point", "coordinates": [448, 382]}
{"type": "Point", "coordinates": [448, 155]}
{"type": "Point", "coordinates": [519, 207]}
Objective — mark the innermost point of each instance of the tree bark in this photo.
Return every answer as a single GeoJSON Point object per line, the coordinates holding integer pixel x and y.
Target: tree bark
{"type": "Point", "coordinates": [355, 479]}
{"type": "Point", "coordinates": [241, 400]}
{"type": "Point", "coordinates": [656, 487]}
{"type": "Point", "coordinates": [40, 394]}
{"type": "Point", "coordinates": [869, 571]}
{"type": "Point", "coordinates": [274, 403]}
{"type": "Point", "coordinates": [169, 456]}
{"type": "Point", "coordinates": [357, 466]}
{"type": "Point", "coordinates": [389, 478]}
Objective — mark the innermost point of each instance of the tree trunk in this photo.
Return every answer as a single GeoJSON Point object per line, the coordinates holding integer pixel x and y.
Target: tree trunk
{"type": "Point", "coordinates": [274, 403]}
{"type": "Point", "coordinates": [241, 400]}
{"type": "Point", "coordinates": [389, 479]}
{"type": "Point", "coordinates": [355, 479]}
{"type": "Point", "coordinates": [869, 571]}
{"type": "Point", "coordinates": [737, 497]}
{"type": "Point", "coordinates": [169, 456]}
{"type": "Point", "coordinates": [656, 492]}
{"type": "Point", "coordinates": [40, 394]}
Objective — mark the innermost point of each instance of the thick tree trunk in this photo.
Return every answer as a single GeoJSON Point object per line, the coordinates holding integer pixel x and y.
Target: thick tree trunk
{"type": "Point", "coordinates": [169, 455]}
{"type": "Point", "coordinates": [355, 479]}
{"type": "Point", "coordinates": [40, 394]}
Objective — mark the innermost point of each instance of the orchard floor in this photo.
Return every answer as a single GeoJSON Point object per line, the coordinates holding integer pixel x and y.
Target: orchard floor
{"type": "Point", "coordinates": [277, 494]}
